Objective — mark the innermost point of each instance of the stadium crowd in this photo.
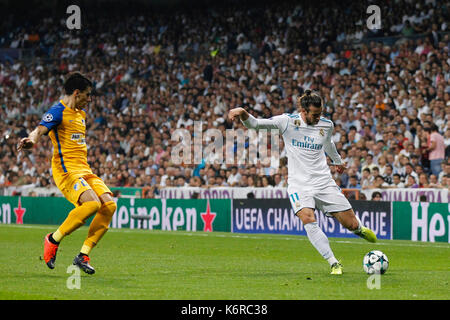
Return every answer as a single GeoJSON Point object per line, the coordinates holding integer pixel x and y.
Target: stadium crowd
{"type": "Point", "coordinates": [155, 72]}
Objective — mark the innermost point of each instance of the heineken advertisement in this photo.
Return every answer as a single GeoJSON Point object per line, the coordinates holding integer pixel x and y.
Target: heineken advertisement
{"type": "Point", "coordinates": [173, 214]}
{"type": "Point", "coordinates": [34, 210]}
{"type": "Point", "coordinates": [421, 221]}
{"type": "Point", "coordinates": [159, 214]}
{"type": "Point", "coordinates": [277, 216]}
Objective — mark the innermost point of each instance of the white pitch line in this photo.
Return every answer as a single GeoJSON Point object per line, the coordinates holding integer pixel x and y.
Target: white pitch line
{"type": "Point", "coordinates": [250, 236]}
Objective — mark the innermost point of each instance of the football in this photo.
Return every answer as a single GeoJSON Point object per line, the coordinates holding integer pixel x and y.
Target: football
{"type": "Point", "coordinates": [375, 262]}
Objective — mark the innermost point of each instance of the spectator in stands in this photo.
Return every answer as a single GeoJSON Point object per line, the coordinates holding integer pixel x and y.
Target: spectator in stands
{"type": "Point", "coordinates": [445, 169]}
{"type": "Point", "coordinates": [353, 183]}
{"type": "Point", "coordinates": [445, 182]}
{"type": "Point", "coordinates": [368, 163]}
{"type": "Point", "coordinates": [366, 179]}
{"type": "Point", "coordinates": [278, 182]}
{"type": "Point", "coordinates": [378, 183]}
{"type": "Point", "coordinates": [377, 196]}
{"type": "Point", "coordinates": [423, 180]}
{"type": "Point", "coordinates": [447, 142]}
{"type": "Point", "coordinates": [415, 162]}
{"type": "Point", "coordinates": [252, 181]}
{"type": "Point", "coordinates": [388, 174]}
{"type": "Point", "coordinates": [436, 149]}
{"type": "Point", "coordinates": [409, 171]}
{"type": "Point", "coordinates": [396, 181]}
{"type": "Point", "coordinates": [234, 177]}
{"type": "Point", "coordinates": [266, 182]}
{"type": "Point", "coordinates": [375, 172]}
{"type": "Point", "coordinates": [434, 183]}
{"type": "Point", "coordinates": [411, 182]}
{"type": "Point", "coordinates": [220, 181]}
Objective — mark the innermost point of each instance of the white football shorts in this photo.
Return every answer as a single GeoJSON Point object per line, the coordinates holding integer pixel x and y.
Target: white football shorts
{"type": "Point", "coordinates": [328, 200]}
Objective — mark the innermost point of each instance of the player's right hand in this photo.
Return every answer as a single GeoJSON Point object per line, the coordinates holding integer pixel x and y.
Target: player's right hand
{"type": "Point", "coordinates": [340, 168]}
{"type": "Point", "coordinates": [25, 143]}
{"type": "Point", "coordinates": [234, 113]}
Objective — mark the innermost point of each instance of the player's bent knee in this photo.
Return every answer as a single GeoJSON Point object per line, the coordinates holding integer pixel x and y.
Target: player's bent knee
{"type": "Point", "coordinates": [307, 220]}
{"type": "Point", "coordinates": [108, 208]}
{"type": "Point", "coordinates": [91, 208]}
{"type": "Point", "coordinates": [306, 215]}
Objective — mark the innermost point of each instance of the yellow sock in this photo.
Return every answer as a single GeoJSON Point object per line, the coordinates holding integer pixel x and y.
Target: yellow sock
{"type": "Point", "coordinates": [99, 224]}
{"type": "Point", "coordinates": [78, 216]}
{"type": "Point", "coordinates": [57, 236]}
{"type": "Point", "coordinates": [85, 249]}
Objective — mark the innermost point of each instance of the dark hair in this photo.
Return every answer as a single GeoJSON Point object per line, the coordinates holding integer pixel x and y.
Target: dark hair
{"type": "Point", "coordinates": [195, 195]}
{"type": "Point", "coordinates": [376, 193]}
{"type": "Point", "coordinates": [76, 81]}
{"type": "Point", "coordinates": [434, 128]}
{"type": "Point", "coordinates": [309, 98]}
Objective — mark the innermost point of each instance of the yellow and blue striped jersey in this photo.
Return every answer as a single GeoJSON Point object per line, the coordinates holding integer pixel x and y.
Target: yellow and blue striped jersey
{"type": "Point", "coordinates": [67, 129]}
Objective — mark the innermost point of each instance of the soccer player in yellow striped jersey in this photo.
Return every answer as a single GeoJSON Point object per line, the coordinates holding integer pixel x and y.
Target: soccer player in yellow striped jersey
{"type": "Point", "coordinates": [65, 124]}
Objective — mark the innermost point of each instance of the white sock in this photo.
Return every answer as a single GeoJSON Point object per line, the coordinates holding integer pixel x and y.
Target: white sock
{"type": "Point", "coordinates": [358, 230]}
{"type": "Point", "coordinates": [320, 241]}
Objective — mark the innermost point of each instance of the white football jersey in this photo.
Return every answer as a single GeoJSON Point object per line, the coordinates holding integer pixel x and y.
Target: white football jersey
{"type": "Point", "coordinates": [306, 146]}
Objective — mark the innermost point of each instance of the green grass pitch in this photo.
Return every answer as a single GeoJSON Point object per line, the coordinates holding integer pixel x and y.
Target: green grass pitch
{"type": "Point", "coordinates": [164, 265]}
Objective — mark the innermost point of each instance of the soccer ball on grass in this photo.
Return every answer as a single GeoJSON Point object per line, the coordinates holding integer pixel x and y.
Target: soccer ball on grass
{"type": "Point", "coordinates": [375, 262]}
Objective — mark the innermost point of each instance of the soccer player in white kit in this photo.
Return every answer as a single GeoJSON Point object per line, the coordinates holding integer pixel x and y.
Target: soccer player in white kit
{"type": "Point", "coordinates": [307, 137]}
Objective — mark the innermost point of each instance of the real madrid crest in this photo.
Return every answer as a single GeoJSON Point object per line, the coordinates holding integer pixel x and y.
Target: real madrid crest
{"type": "Point", "coordinates": [321, 132]}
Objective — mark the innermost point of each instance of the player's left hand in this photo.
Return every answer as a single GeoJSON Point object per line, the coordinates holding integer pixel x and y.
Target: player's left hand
{"type": "Point", "coordinates": [340, 168]}
{"type": "Point", "coordinates": [25, 143]}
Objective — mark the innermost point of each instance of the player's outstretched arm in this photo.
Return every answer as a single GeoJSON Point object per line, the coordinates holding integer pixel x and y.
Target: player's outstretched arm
{"type": "Point", "coordinates": [249, 121]}
{"type": "Point", "coordinates": [33, 138]}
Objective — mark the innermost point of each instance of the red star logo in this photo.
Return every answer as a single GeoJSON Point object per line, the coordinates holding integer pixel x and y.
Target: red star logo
{"type": "Point", "coordinates": [208, 218]}
{"type": "Point", "coordinates": [19, 213]}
